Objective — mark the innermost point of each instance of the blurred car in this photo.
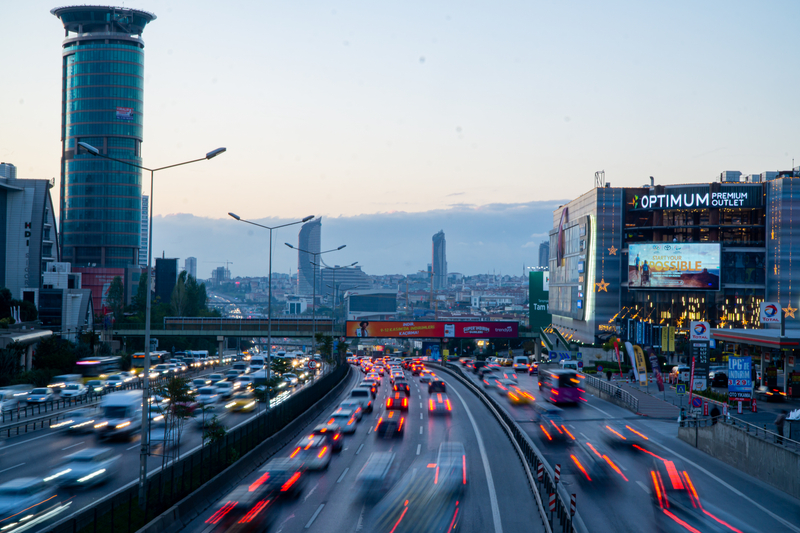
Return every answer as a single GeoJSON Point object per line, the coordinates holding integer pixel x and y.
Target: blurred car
{"type": "Point", "coordinates": [437, 385]}
{"type": "Point", "coordinates": [371, 385]}
{"type": "Point", "coordinates": [313, 451]}
{"type": "Point", "coordinates": [196, 383]}
{"type": "Point", "coordinates": [507, 374]}
{"type": "Point", "coordinates": [355, 405]}
{"type": "Point", "coordinates": [96, 386]}
{"type": "Point", "coordinates": [74, 390]}
{"type": "Point", "coordinates": [416, 370]}
{"type": "Point", "coordinates": [207, 395]}
{"type": "Point", "coordinates": [88, 467]}
{"type": "Point", "coordinates": [533, 369]}
{"type": "Point", "coordinates": [426, 376]}
{"type": "Point", "coordinates": [451, 466]}
{"type": "Point", "coordinates": [21, 494]}
{"type": "Point", "coordinates": [40, 395]}
{"type": "Point", "coordinates": [364, 396]}
{"type": "Point", "coordinates": [293, 379]}
{"type": "Point", "coordinates": [439, 403]}
{"type": "Point", "coordinates": [346, 419]}
{"type": "Point", "coordinates": [242, 401]}
{"type": "Point", "coordinates": [551, 422]}
{"type": "Point", "coordinates": [491, 380]}
{"type": "Point", "coordinates": [390, 424]}
{"type": "Point", "coordinates": [115, 381]}
{"type": "Point", "coordinates": [78, 420]}
{"type": "Point", "coordinates": [397, 400]}
{"type": "Point", "coordinates": [281, 477]}
{"type": "Point", "coordinates": [225, 389]}
{"type": "Point", "coordinates": [243, 511]}
{"type": "Point", "coordinates": [333, 435]}
{"type": "Point", "coordinates": [622, 433]}
{"type": "Point", "coordinates": [718, 376]}
{"type": "Point", "coordinates": [231, 375]}
{"type": "Point", "coordinates": [215, 377]}
{"type": "Point", "coordinates": [376, 475]}
{"type": "Point", "coordinates": [401, 385]}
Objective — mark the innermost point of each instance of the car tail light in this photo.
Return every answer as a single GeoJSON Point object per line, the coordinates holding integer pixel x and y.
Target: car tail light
{"type": "Point", "coordinates": [291, 481]}
{"type": "Point", "coordinates": [379, 423]}
{"type": "Point", "coordinates": [447, 403]}
{"type": "Point", "coordinates": [464, 469]}
{"type": "Point", "coordinates": [400, 427]}
{"type": "Point", "coordinates": [321, 453]}
{"type": "Point", "coordinates": [431, 403]}
{"type": "Point", "coordinates": [220, 514]}
{"type": "Point", "coordinates": [389, 402]}
{"type": "Point", "coordinates": [295, 452]}
{"type": "Point", "coordinates": [405, 402]}
{"type": "Point", "coordinates": [336, 437]}
{"type": "Point", "coordinates": [545, 432]}
{"type": "Point", "coordinates": [674, 477]}
{"type": "Point", "coordinates": [257, 483]}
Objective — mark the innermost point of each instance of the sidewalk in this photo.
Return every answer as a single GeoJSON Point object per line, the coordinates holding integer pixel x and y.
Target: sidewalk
{"type": "Point", "coordinates": [650, 405]}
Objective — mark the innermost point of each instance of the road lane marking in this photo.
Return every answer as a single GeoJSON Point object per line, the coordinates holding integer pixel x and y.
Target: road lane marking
{"type": "Point", "coordinates": [11, 468]}
{"type": "Point", "coordinates": [498, 526]}
{"type": "Point", "coordinates": [420, 416]}
{"type": "Point", "coordinates": [68, 447]}
{"type": "Point", "coordinates": [644, 487]}
{"type": "Point", "coordinates": [420, 430]}
{"type": "Point", "coordinates": [359, 449]}
{"type": "Point", "coordinates": [584, 436]}
{"type": "Point", "coordinates": [309, 493]}
{"type": "Point", "coordinates": [419, 447]}
{"type": "Point", "coordinates": [134, 446]}
{"type": "Point", "coordinates": [370, 430]}
{"type": "Point", "coordinates": [730, 487]}
{"type": "Point", "coordinates": [314, 517]}
{"type": "Point", "coordinates": [342, 476]}
{"type": "Point", "coordinates": [420, 406]}
{"type": "Point", "coordinates": [34, 438]}
{"type": "Point", "coordinates": [593, 407]}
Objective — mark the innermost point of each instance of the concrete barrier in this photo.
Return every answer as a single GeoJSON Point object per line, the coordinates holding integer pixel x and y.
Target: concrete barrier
{"type": "Point", "coordinates": [764, 460]}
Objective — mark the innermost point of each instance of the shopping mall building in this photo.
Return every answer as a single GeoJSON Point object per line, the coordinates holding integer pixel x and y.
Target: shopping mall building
{"type": "Point", "coordinates": [665, 255]}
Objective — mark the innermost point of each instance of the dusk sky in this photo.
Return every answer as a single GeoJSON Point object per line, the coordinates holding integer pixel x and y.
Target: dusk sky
{"type": "Point", "coordinates": [362, 109]}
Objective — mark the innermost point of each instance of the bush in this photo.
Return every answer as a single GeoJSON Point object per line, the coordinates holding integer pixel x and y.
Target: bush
{"type": "Point", "coordinates": [37, 378]}
{"type": "Point", "coordinates": [712, 395]}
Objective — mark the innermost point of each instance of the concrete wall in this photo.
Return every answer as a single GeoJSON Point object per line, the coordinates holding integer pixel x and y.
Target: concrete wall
{"type": "Point", "coordinates": [752, 455]}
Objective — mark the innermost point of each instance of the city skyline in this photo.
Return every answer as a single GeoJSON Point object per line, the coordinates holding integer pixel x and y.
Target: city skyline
{"type": "Point", "coordinates": [369, 107]}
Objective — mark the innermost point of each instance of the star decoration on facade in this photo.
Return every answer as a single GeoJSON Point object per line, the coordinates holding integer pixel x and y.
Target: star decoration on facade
{"type": "Point", "coordinates": [602, 286]}
{"type": "Point", "coordinates": [790, 311]}
{"type": "Point", "coordinates": [612, 250]}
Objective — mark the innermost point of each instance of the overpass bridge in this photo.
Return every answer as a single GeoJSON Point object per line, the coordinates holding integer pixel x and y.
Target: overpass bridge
{"type": "Point", "coordinates": [232, 327]}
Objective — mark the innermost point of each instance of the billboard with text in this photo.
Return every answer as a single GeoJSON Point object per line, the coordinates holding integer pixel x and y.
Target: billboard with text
{"type": "Point", "coordinates": [674, 266]}
{"type": "Point", "coordinates": [432, 329]}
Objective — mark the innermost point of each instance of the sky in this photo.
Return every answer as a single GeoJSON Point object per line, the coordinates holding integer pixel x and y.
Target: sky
{"type": "Point", "coordinates": [353, 109]}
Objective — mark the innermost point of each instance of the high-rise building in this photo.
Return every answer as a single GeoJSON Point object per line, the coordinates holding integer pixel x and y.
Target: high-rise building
{"type": "Point", "coordinates": [28, 241]}
{"type": "Point", "coordinates": [7, 170]}
{"type": "Point", "coordinates": [309, 239]}
{"type": "Point", "coordinates": [336, 281]}
{"type": "Point", "coordinates": [166, 277]}
{"type": "Point", "coordinates": [190, 266]}
{"type": "Point", "coordinates": [220, 275]}
{"type": "Point", "coordinates": [544, 254]}
{"type": "Point", "coordinates": [145, 233]}
{"type": "Point", "coordinates": [439, 263]}
{"type": "Point", "coordinates": [102, 105]}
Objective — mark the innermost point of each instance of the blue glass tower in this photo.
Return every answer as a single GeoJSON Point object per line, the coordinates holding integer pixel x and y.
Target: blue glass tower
{"type": "Point", "coordinates": [102, 105]}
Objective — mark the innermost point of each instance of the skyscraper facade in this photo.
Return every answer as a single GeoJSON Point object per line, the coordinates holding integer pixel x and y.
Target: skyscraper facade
{"type": "Point", "coordinates": [144, 233]}
{"type": "Point", "coordinates": [439, 262]}
{"type": "Point", "coordinates": [102, 105]}
{"type": "Point", "coordinates": [310, 240]}
{"type": "Point", "coordinates": [190, 266]}
{"type": "Point", "coordinates": [7, 170]}
{"type": "Point", "coordinates": [544, 254]}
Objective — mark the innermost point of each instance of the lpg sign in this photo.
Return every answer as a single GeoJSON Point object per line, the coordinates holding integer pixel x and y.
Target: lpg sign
{"type": "Point", "coordinates": [770, 313]}
{"type": "Point", "coordinates": [699, 331]}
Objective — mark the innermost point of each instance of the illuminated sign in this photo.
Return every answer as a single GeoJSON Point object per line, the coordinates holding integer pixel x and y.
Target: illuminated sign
{"type": "Point", "coordinates": [770, 313]}
{"type": "Point", "coordinates": [674, 266]}
{"type": "Point", "coordinates": [735, 196]}
{"type": "Point", "coordinates": [432, 329]}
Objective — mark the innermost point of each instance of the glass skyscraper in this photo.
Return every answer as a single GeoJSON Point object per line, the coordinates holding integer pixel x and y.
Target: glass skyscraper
{"type": "Point", "coordinates": [310, 240]}
{"type": "Point", "coordinates": [102, 105]}
{"type": "Point", "coordinates": [439, 261]}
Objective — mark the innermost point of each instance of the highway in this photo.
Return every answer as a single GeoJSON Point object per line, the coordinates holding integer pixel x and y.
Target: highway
{"type": "Point", "coordinates": [497, 497]}
{"type": "Point", "coordinates": [622, 501]}
{"type": "Point", "coordinates": [38, 453]}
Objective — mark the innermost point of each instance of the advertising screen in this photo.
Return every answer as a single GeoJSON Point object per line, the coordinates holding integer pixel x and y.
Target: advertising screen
{"type": "Point", "coordinates": [674, 266]}
{"type": "Point", "coordinates": [431, 329]}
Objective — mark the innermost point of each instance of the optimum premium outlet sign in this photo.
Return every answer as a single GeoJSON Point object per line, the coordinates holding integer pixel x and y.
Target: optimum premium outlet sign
{"type": "Point", "coordinates": [737, 196]}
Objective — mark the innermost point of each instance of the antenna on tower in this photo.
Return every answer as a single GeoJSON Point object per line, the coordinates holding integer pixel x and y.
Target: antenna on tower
{"type": "Point", "coordinates": [600, 178]}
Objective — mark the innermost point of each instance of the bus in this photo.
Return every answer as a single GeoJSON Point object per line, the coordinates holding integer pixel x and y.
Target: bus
{"type": "Point", "coordinates": [560, 386]}
{"type": "Point", "coordinates": [155, 358]}
{"type": "Point", "coordinates": [92, 367]}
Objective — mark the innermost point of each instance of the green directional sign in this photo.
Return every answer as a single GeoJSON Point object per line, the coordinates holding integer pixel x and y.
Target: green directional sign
{"type": "Point", "coordinates": [680, 389]}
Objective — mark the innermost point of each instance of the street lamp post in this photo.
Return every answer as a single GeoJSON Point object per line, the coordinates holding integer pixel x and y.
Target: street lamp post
{"type": "Point", "coordinates": [269, 296]}
{"type": "Point", "coordinates": [314, 297]}
{"type": "Point", "coordinates": [144, 450]}
{"type": "Point", "coordinates": [435, 312]}
{"type": "Point", "coordinates": [334, 280]}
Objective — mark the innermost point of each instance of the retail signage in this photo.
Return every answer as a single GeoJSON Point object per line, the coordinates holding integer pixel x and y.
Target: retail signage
{"type": "Point", "coordinates": [700, 198]}
{"type": "Point", "coordinates": [770, 313]}
{"type": "Point", "coordinates": [538, 298]}
{"type": "Point", "coordinates": [432, 329]}
{"type": "Point", "coordinates": [641, 365]}
{"type": "Point", "coordinates": [699, 366]}
{"type": "Point", "coordinates": [125, 113]}
{"type": "Point", "coordinates": [740, 379]}
{"type": "Point", "coordinates": [674, 266]}
{"type": "Point", "coordinates": [699, 331]}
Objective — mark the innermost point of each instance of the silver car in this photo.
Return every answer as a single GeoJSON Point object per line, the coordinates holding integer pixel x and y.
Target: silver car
{"type": "Point", "coordinates": [74, 390]}
{"type": "Point", "coordinates": [40, 395]}
{"type": "Point", "coordinates": [88, 467]}
{"type": "Point", "coordinates": [23, 493]}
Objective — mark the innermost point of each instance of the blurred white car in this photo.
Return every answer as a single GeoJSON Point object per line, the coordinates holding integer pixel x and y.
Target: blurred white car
{"type": "Point", "coordinates": [85, 468]}
{"type": "Point", "coordinates": [40, 395]}
{"type": "Point", "coordinates": [115, 381]}
{"type": "Point", "coordinates": [207, 395]}
{"type": "Point", "coordinates": [23, 493]}
{"type": "Point", "coordinates": [79, 420]}
{"type": "Point", "coordinates": [74, 390]}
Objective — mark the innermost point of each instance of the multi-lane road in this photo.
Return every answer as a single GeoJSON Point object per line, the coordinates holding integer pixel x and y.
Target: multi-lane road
{"type": "Point", "coordinates": [497, 496]}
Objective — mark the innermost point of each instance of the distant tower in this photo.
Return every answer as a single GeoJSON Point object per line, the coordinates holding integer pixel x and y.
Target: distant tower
{"type": "Point", "coordinates": [439, 261]}
{"type": "Point", "coordinates": [310, 240]}
{"type": "Point", "coordinates": [102, 104]}
{"type": "Point", "coordinates": [144, 233]}
{"type": "Point", "coordinates": [9, 171]}
{"type": "Point", "coordinates": [544, 254]}
{"type": "Point", "coordinates": [190, 266]}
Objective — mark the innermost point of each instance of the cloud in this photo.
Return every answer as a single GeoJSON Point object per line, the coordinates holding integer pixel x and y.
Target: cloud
{"type": "Point", "coordinates": [492, 237]}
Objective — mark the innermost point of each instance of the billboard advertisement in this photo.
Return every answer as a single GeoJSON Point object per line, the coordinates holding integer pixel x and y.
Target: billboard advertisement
{"type": "Point", "coordinates": [674, 266]}
{"type": "Point", "coordinates": [740, 378]}
{"type": "Point", "coordinates": [539, 300]}
{"type": "Point", "coordinates": [431, 329]}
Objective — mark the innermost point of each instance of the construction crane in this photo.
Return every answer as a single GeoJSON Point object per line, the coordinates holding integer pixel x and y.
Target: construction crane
{"type": "Point", "coordinates": [226, 262]}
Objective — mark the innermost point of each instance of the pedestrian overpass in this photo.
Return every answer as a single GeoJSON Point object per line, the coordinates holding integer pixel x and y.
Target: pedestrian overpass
{"type": "Point", "coordinates": [232, 327]}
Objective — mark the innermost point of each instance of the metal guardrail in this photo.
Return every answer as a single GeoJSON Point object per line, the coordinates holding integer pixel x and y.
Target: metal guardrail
{"type": "Point", "coordinates": [612, 390]}
{"type": "Point", "coordinates": [756, 431]}
{"type": "Point", "coordinates": [560, 519]}
{"type": "Point", "coordinates": [120, 511]}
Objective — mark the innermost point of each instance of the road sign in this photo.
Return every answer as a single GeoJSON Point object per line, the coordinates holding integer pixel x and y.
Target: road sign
{"type": "Point", "coordinates": [705, 408]}
{"type": "Point", "coordinates": [540, 472]}
{"type": "Point", "coordinates": [579, 356]}
{"type": "Point", "coordinates": [572, 505]}
{"type": "Point", "coordinates": [552, 502]}
{"type": "Point", "coordinates": [599, 368]}
{"type": "Point", "coordinates": [752, 406]}
{"type": "Point", "coordinates": [580, 364]}
{"type": "Point", "coordinates": [558, 472]}
{"type": "Point", "coordinates": [739, 408]}
{"type": "Point", "coordinates": [697, 401]}
{"type": "Point", "coordinates": [680, 389]}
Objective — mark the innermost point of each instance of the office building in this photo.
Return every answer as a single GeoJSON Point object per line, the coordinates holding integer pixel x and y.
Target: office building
{"type": "Point", "coordinates": [65, 306]}
{"type": "Point", "coordinates": [654, 256]}
{"type": "Point", "coordinates": [102, 105]}
{"type": "Point", "coordinates": [439, 262]}
{"type": "Point", "coordinates": [338, 280]}
{"type": "Point", "coordinates": [220, 275]}
{"type": "Point", "coordinates": [190, 266]}
{"type": "Point", "coordinates": [544, 254]}
{"type": "Point", "coordinates": [309, 239]}
{"type": "Point", "coordinates": [28, 240]}
{"type": "Point", "coordinates": [8, 171]}
{"type": "Point", "coordinates": [145, 232]}
{"type": "Point", "coordinates": [166, 278]}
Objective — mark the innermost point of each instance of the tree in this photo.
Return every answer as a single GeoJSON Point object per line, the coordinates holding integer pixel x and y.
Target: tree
{"type": "Point", "coordinates": [325, 345]}
{"type": "Point", "coordinates": [140, 300]}
{"type": "Point", "coordinates": [116, 297]}
{"type": "Point", "coordinates": [9, 362]}
{"type": "Point", "coordinates": [180, 298]}
{"type": "Point", "coordinates": [176, 413]}
{"type": "Point", "coordinates": [54, 353]}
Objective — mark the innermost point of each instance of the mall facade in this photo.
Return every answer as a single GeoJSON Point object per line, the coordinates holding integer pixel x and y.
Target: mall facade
{"type": "Point", "coordinates": [664, 255]}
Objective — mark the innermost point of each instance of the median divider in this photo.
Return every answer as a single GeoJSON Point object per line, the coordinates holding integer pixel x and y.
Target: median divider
{"type": "Point", "coordinates": [531, 457]}
{"type": "Point", "coordinates": [177, 493]}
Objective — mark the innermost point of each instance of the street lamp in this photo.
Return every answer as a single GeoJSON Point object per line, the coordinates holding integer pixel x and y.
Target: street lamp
{"type": "Point", "coordinates": [269, 304]}
{"type": "Point", "coordinates": [144, 450]}
{"type": "Point", "coordinates": [334, 278]}
{"type": "Point", "coordinates": [435, 312]}
{"type": "Point", "coordinates": [314, 297]}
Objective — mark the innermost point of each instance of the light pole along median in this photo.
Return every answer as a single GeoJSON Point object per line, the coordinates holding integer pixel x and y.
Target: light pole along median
{"type": "Point", "coordinates": [314, 297]}
{"type": "Point", "coordinates": [144, 451]}
{"type": "Point", "coordinates": [269, 296]}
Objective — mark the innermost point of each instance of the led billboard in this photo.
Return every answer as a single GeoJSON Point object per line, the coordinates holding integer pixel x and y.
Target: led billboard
{"type": "Point", "coordinates": [674, 266]}
{"type": "Point", "coordinates": [431, 329]}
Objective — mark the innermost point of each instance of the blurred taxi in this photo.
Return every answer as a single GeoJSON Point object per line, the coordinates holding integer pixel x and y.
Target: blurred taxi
{"type": "Point", "coordinates": [242, 401]}
{"type": "Point", "coordinates": [514, 394]}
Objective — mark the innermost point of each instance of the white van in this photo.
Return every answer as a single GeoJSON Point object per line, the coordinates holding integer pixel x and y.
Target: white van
{"type": "Point", "coordinates": [8, 400]}
{"type": "Point", "coordinates": [257, 362]}
{"type": "Point", "coordinates": [569, 364]}
{"type": "Point", "coordinates": [122, 415]}
{"type": "Point", "coordinates": [521, 362]}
